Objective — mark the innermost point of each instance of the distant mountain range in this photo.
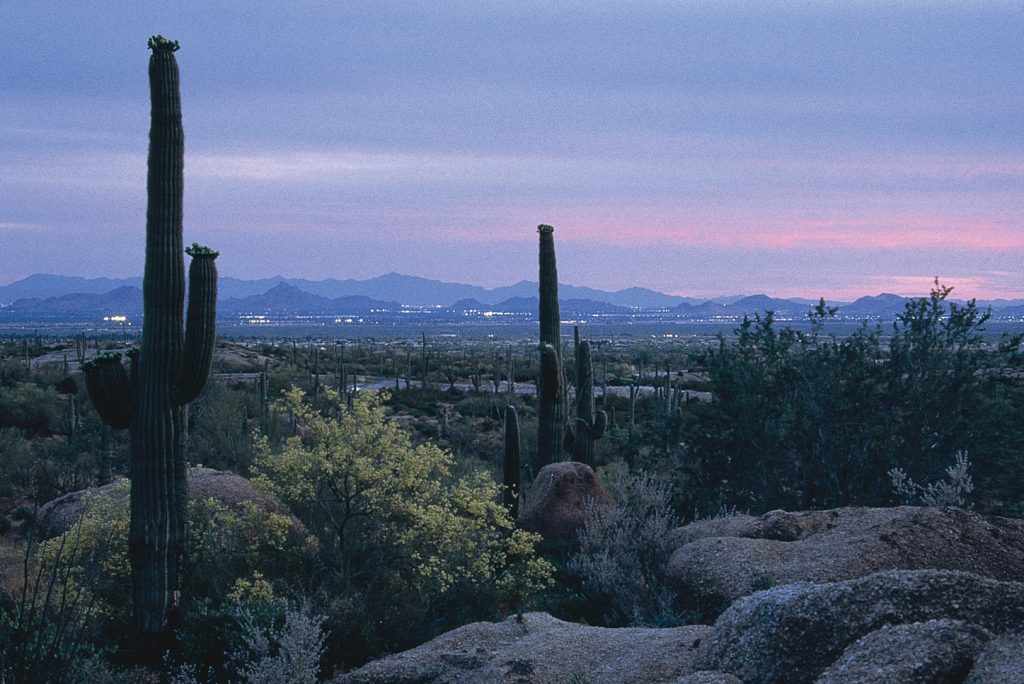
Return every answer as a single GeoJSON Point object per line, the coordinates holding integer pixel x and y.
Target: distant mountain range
{"type": "Point", "coordinates": [408, 290]}
{"type": "Point", "coordinates": [46, 297]}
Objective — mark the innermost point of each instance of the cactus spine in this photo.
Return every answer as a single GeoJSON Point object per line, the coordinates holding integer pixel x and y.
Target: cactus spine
{"type": "Point", "coordinates": [171, 370]}
{"type": "Point", "coordinates": [590, 426]}
{"type": "Point", "coordinates": [550, 408]}
{"type": "Point", "coordinates": [512, 463]}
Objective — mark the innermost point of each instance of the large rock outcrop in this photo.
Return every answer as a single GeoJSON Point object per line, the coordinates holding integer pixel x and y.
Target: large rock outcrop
{"type": "Point", "coordinates": [1000, 661]}
{"type": "Point", "coordinates": [540, 649]}
{"type": "Point", "coordinates": [791, 634]}
{"type": "Point", "coordinates": [556, 502]}
{"type": "Point", "coordinates": [921, 619]}
{"type": "Point", "coordinates": [918, 626]}
{"type": "Point", "coordinates": [718, 561]}
{"type": "Point", "coordinates": [932, 652]}
{"type": "Point", "coordinates": [61, 514]}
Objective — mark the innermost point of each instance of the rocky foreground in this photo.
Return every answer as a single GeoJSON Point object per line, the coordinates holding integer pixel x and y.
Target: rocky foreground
{"type": "Point", "coordinates": [902, 595]}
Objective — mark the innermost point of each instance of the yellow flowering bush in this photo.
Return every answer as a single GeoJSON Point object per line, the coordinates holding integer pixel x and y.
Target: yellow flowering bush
{"type": "Point", "coordinates": [229, 544]}
{"type": "Point", "coordinates": [232, 553]}
{"type": "Point", "coordinates": [403, 538]}
{"type": "Point", "coordinates": [90, 560]}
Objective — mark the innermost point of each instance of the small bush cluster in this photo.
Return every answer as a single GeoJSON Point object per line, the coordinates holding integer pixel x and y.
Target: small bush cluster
{"type": "Point", "coordinates": [623, 552]}
{"type": "Point", "coordinates": [955, 491]}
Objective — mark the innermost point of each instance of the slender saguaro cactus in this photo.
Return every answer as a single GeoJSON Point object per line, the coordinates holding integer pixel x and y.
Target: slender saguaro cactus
{"type": "Point", "coordinates": [589, 425]}
{"type": "Point", "coordinates": [550, 388]}
{"type": "Point", "coordinates": [550, 328]}
{"type": "Point", "coordinates": [509, 364]}
{"type": "Point", "coordinates": [170, 371]}
{"type": "Point", "coordinates": [550, 428]}
{"type": "Point", "coordinates": [513, 484]}
{"type": "Point", "coordinates": [423, 355]}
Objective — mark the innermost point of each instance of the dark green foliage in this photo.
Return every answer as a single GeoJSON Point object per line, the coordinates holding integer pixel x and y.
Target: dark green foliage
{"type": "Point", "coordinates": [214, 630]}
{"type": "Point", "coordinates": [809, 420]}
{"type": "Point", "coordinates": [220, 427]}
{"type": "Point", "coordinates": [30, 408]}
{"type": "Point", "coordinates": [67, 385]}
{"type": "Point", "coordinates": [18, 464]}
{"type": "Point", "coordinates": [48, 441]}
{"type": "Point", "coordinates": [46, 449]}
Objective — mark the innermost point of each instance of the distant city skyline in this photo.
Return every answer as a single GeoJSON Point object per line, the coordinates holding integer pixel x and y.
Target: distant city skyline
{"type": "Point", "coordinates": [699, 149]}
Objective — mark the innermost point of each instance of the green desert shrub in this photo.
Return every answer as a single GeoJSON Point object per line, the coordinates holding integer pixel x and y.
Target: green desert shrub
{"type": "Point", "coordinates": [220, 433]}
{"type": "Point", "coordinates": [30, 408]}
{"type": "Point", "coordinates": [810, 419]}
{"type": "Point", "coordinates": [49, 630]}
{"type": "Point", "coordinates": [236, 555]}
{"type": "Point", "coordinates": [623, 552]}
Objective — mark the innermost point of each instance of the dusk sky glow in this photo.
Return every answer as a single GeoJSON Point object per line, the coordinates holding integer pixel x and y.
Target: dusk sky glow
{"type": "Point", "coordinates": [698, 148]}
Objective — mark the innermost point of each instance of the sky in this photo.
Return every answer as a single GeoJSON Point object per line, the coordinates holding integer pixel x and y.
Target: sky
{"type": "Point", "coordinates": [698, 148]}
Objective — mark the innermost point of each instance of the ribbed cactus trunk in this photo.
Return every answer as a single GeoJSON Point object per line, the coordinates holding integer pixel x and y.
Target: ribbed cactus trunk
{"type": "Point", "coordinates": [550, 320]}
{"type": "Point", "coordinates": [512, 468]}
{"type": "Point", "coordinates": [590, 426]}
{"type": "Point", "coordinates": [550, 404]}
{"type": "Point", "coordinates": [550, 429]}
{"type": "Point", "coordinates": [170, 371]}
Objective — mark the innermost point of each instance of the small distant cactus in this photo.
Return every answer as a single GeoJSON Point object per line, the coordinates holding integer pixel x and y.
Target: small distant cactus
{"type": "Point", "coordinates": [512, 466]}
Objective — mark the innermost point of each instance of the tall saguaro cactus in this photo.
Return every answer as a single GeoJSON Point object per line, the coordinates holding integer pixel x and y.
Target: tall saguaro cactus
{"type": "Point", "coordinates": [590, 425]}
{"type": "Point", "coordinates": [550, 388]}
{"type": "Point", "coordinates": [171, 369]}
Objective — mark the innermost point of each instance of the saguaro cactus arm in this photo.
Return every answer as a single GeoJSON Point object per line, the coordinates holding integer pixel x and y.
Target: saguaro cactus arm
{"type": "Point", "coordinates": [550, 372]}
{"type": "Point", "coordinates": [200, 338]}
{"type": "Point", "coordinates": [110, 389]}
